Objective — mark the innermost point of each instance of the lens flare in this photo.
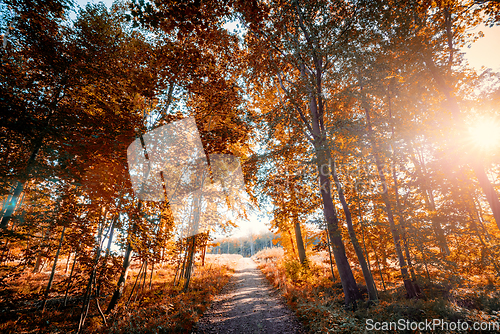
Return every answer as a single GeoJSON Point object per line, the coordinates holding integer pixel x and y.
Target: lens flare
{"type": "Point", "coordinates": [485, 134]}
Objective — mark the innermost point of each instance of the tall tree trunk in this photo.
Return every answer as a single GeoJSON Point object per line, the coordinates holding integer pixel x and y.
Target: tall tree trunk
{"type": "Point", "coordinates": [370, 284]}
{"type": "Point", "coordinates": [108, 251]}
{"type": "Point", "coordinates": [184, 260]}
{"type": "Point", "coordinates": [316, 134]}
{"type": "Point", "coordinates": [126, 259]}
{"type": "Point", "coordinates": [410, 289]}
{"type": "Point", "coordinates": [351, 292]}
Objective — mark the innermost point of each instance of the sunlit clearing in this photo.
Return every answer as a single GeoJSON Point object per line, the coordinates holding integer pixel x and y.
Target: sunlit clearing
{"type": "Point", "coordinates": [485, 134]}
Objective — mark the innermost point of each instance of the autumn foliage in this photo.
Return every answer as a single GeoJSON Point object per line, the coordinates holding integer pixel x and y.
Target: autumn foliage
{"type": "Point", "coordinates": [359, 125]}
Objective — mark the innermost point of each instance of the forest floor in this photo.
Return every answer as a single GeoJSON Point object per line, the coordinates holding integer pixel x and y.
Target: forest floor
{"type": "Point", "coordinates": [162, 308]}
{"type": "Point", "coordinates": [248, 304]}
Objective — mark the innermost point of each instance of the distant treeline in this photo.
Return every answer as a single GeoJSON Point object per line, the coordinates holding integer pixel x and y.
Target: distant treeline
{"type": "Point", "coordinates": [245, 246]}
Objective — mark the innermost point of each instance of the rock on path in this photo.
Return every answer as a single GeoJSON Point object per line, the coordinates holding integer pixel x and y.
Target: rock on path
{"type": "Point", "coordinates": [248, 305]}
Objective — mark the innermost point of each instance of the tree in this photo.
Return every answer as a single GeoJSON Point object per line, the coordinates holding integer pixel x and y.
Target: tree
{"type": "Point", "coordinates": [36, 74]}
{"type": "Point", "coordinates": [299, 43]}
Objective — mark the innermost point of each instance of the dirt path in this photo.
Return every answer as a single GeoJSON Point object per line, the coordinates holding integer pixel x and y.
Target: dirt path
{"type": "Point", "coordinates": [248, 305]}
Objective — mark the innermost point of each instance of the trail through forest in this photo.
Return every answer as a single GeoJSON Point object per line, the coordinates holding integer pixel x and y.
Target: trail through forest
{"type": "Point", "coordinates": [248, 305]}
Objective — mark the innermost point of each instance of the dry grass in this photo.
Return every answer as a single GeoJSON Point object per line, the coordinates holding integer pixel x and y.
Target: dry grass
{"type": "Point", "coordinates": [229, 260]}
{"type": "Point", "coordinates": [319, 302]}
{"type": "Point", "coordinates": [162, 309]}
{"type": "Point", "coordinates": [269, 254]}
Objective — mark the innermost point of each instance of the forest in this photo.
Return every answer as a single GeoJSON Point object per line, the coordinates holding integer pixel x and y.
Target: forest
{"type": "Point", "coordinates": [358, 126]}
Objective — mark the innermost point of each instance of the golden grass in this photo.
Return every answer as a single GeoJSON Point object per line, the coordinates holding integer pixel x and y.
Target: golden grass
{"type": "Point", "coordinates": [163, 308]}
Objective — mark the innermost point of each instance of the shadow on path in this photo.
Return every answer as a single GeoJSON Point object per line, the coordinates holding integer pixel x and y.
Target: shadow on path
{"type": "Point", "coordinates": [248, 306]}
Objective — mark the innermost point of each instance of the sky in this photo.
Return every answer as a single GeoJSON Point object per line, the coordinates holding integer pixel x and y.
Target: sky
{"type": "Point", "coordinates": [485, 52]}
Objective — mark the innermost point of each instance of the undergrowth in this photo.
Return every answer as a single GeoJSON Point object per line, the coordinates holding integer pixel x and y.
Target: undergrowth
{"type": "Point", "coordinates": [161, 309]}
{"type": "Point", "coordinates": [319, 302]}
{"type": "Point", "coordinates": [167, 309]}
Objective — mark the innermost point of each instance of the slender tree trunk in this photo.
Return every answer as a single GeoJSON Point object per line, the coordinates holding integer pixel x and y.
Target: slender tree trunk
{"type": "Point", "coordinates": [126, 261]}
{"type": "Point", "coordinates": [137, 279]}
{"type": "Point", "coordinates": [370, 284]}
{"type": "Point", "coordinates": [429, 201]}
{"type": "Point", "coordinates": [404, 235]}
{"type": "Point", "coordinates": [92, 279]}
{"type": "Point", "coordinates": [53, 272]}
{"type": "Point", "coordinates": [291, 242]}
{"type": "Point", "coordinates": [67, 263]}
{"type": "Point", "coordinates": [363, 234]}
{"type": "Point", "coordinates": [330, 253]}
{"type": "Point", "coordinates": [110, 238]}
{"type": "Point", "coordinates": [399, 211]}
{"type": "Point", "coordinates": [151, 276]}
{"type": "Point", "coordinates": [378, 265]}
{"type": "Point", "coordinates": [39, 256]}
{"type": "Point", "coordinates": [410, 289]}
{"type": "Point", "coordinates": [317, 135]}
{"type": "Point", "coordinates": [99, 278]}
{"type": "Point", "coordinates": [144, 277]}
{"type": "Point", "coordinates": [184, 261]}
{"type": "Point", "coordinates": [189, 267]}
{"type": "Point", "coordinates": [121, 281]}
{"type": "Point", "coordinates": [70, 279]}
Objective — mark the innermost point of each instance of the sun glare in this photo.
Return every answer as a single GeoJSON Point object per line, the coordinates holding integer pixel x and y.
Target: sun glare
{"type": "Point", "coordinates": [485, 134]}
